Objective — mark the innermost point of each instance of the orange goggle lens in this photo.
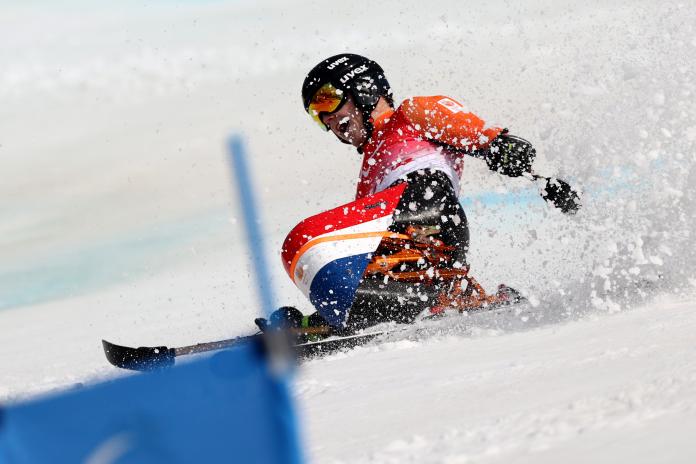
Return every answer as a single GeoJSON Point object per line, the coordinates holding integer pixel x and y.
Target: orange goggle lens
{"type": "Point", "coordinates": [325, 101]}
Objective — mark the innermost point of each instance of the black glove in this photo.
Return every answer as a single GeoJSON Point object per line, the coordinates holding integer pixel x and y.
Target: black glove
{"type": "Point", "coordinates": [510, 155]}
{"type": "Point", "coordinates": [286, 317]}
{"type": "Point", "coordinates": [561, 194]}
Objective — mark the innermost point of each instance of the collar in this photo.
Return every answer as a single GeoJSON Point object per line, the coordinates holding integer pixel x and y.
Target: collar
{"type": "Point", "coordinates": [382, 119]}
{"type": "Point", "coordinates": [377, 125]}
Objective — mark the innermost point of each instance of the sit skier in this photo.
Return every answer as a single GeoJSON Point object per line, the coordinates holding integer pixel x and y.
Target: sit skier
{"type": "Point", "coordinates": [421, 145]}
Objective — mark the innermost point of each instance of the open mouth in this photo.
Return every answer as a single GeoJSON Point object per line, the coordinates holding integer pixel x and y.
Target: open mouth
{"type": "Point", "coordinates": [343, 126]}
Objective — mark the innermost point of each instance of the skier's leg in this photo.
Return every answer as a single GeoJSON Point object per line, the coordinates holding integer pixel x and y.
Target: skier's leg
{"type": "Point", "coordinates": [429, 205]}
{"type": "Point", "coordinates": [430, 201]}
{"type": "Point", "coordinates": [379, 299]}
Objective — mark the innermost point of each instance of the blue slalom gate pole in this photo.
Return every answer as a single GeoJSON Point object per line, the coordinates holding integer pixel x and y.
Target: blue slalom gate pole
{"type": "Point", "coordinates": [240, 172]}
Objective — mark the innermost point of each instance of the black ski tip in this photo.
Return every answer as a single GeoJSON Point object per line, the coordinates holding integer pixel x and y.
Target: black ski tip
{"type": "Point", "coordinates": [143, 358]}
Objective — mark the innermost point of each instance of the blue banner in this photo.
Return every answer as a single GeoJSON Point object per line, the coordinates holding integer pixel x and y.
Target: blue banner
{"type": "Point", "coordinates": [225, 408]}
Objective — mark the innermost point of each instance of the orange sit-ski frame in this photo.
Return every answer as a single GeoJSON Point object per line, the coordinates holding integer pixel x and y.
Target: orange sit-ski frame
{"type": "Point", "coordinates": [398, 253]}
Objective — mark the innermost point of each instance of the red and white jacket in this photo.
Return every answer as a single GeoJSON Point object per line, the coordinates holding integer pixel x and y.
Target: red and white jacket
{"type": "Point", "coordinates": [422, 133]}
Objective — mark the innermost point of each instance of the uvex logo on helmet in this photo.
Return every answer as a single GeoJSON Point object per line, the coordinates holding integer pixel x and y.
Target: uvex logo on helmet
{"type": "Point", "coordinates": [349, 75]}
{"type": "Point", "coordinates": [337, 62]}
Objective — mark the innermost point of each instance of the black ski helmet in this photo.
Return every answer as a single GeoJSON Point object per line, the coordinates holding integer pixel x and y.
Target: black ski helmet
{"type": "Point", "coordinates": [360, 77]}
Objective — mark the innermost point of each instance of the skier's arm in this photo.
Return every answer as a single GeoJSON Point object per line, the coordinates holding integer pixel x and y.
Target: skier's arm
{"type": "Point", "coordinates": [445, 121]}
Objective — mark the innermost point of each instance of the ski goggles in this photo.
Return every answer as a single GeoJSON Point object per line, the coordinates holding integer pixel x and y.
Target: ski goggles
{"type": "Point", "coordinates": [326, 100]}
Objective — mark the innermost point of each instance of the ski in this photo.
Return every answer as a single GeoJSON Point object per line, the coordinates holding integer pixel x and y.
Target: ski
{"type": "Point", "coordinates": [146, 358]}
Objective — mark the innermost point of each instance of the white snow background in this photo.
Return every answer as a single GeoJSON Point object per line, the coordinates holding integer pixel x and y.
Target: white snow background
{"type": "Point", "coordinates": [118, 219]}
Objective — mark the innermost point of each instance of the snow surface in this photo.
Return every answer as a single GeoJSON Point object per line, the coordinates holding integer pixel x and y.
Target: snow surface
{"type": "Point", "coordinates": [618, 388]}
{"type": "Point", "coordinates": [118, 219]}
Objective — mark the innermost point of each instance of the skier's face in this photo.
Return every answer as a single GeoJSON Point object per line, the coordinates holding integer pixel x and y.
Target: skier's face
{"type": "Point", "coordinates": [347, 123]}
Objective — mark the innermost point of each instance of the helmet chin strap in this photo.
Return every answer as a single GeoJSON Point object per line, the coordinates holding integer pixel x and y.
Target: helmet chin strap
{"type": "Point", "coordinates": [367, 126]}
